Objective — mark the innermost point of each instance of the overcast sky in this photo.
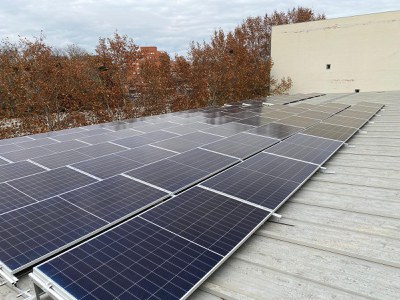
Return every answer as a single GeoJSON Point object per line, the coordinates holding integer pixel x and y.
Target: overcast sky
{"type": "Point", "coordinates": [169, 24]}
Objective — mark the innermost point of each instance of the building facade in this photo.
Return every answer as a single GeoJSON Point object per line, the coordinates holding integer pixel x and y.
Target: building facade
{"type": "Point", "coordinates": [359, 53]}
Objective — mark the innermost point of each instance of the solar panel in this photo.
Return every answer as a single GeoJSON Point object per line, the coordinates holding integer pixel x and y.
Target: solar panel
{"type": "Point", "coordinates": [293, 109]}
{"type": "Point", "coordinates": [241, 145]}
{"type": "Point", "coordinates": [346, 121]}
{"type": "Point", "coordinates": [123, 133]}
{"type": "Point", "coordinates": [61, 159]}
{"type": "Point", "coordinates": [115, 198]}
{"type": "Point", "coordinates": [211, 220]}
{"type": "Point", "coordinates": [64, 146]}
{"type": "Point", "coordinates": [315, 114]}
{"type": "Point", "coordinates": [16, 170]}
{"type": "Point", "coordinates": [334, 132]}
{"type": "Point", "coordinates": [156, 127]}
{"type": "Point", "coordinates": [305, 105]}
{"type": "Point", "coordinates": [26, 154]}
{"type": "Point", "coordinates": [188, 128]}
{"type": "Point", "coordinates": [12, 199]}
{"type": "Point", "coordinates": [3, 162]}
{"type": "Point", "coordinates": [327, 109]}
{"type": "Point", "coordinates": [314, 142]}
{"type": "Point", "coordinates": [69, 137]}
{"type": "Point", "coordinates": [203, 138]}
{"type": "Point", "coordinates": [264, 179]}
{"type": "Point", "coordinates": [96, 131]}
{"type": "Point", "coordinates": [356, 114]}
{"type": "Point", "coordinates": [51, 183]}
{"type": "Point", "coordinates": [10, 148]}
{"type": "Point", "coordinates": [228, 129]}
{"type": "Point", "coordinates": [371, 104]}
{"type": "Point", "coordinates": [169, 175]}
{"type": "Point", "coordinates": [100, 149]}
{"type": "Point", "coordinates": [36, 143]}
{"type": "Point", "coordinates": [220, 120]}
{"type": "Point", "coordinates": [97, 139]}
{"type": "Point", "coordinates": [177, 144]}
{"type": "Point", "coordinates": [15, 140]}
{"type": "Point", "coordinates": [204, 160]}
{"type": "Point", "coordinates": [157, 136]}
{"type": "Point", "coordinates": [243, 114]}
{"type": "Point", "coordinates": [257, 121]}
{"type": "Point", "coordinates": [276, 130]}
{"type": "Point", "coordinates": [146, 154]}
{"type": "Point", "coordinates": [298, 121]}
{"type": "Point", "coordinates": [276, 114]}
{"type": "Point", "coordinates": [107, 166]}
{"type": "Point", "coordinates": [365, 108]}
{"type": "Point", "coordinates": [133, 142]}
{"type": "Point", "coordinates": [38, 230]}
{"type": "Point", "coordinates": [337, 105]}
{"type": "Point", "coordinates": [316, 155]}
{"type": "Point", "coordinates": [136, 260]}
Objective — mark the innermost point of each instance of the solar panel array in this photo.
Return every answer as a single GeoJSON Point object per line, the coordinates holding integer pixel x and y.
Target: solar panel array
{"type": "Point", "coordinates": [106, 173]}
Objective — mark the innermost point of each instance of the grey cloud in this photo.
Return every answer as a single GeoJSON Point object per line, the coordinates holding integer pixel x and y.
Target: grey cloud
{"type": "Point", "coordinates": [171, 25]}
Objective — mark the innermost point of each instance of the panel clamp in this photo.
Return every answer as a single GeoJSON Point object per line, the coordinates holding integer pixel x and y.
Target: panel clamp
{"type": "Point", "coordinates": [326, 171]}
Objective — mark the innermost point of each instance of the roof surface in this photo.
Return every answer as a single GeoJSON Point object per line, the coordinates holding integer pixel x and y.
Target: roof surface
{"type": "Point", "coordinates": [338, 236]}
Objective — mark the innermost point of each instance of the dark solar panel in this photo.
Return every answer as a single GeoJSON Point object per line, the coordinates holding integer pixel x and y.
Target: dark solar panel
{"type": "Point", "coordinates": [156, 127]}
{"type": "Point", "coordinates": [51, 183]}
{"type": "Point", "coordinates": [178, 144]}
{"type": "Point", "coordinates": [143, 260]}
{"type": "Point", "coordinates": [257, 121]}
{"type": "Point", "coordinates": [11, 199]}
{"type": "Point", "coordinates": [276, 130]}
{"type": "Point", "coordinates": [17, 170]}
{"type": "Point", "coordinates": [61, 159]}
{"type": "Point", "coordinates": [123, 134]}
{"type": "Point", "coordinates": [369, 109]}
{"type": "Point", "coordinates": [346, 121]}
{"type": "Point", "coordinates": [37, 143]}
{"type": "Point", "coordinates": [10, 148]}
{"type": "Point", "coordinates": [97, 139]}
{"type": "Point", "coordinates": [204, 160]}
{"type": "Point", "coordinates": [26, 154]}
{"type": "Point", "coordinates": [187, 128]}
{"type": "Point", "coordinates": [241, 145]}
{"type": "Point", "coordinates": [298, 121]}
{"type": "Point", "coordinates": [100, 149]}
{"type": "Point", "coordinates": [64, 146]}
{"type": "Point", "coordinates": [243, 114]}
{"type": "Point", "coordinates": [203, 138]}
{"type": "Point", "coordinates": [263, 179]}
{"type": "Point", "coordinates": [157, 136]}
{"type": "Point", "coordinates": [228, 129]}
{"type": "Point", "coordinates": [306, 153]}
{"type": "Point", "coordinates": [356, 114]}
{"type": "Point", "coordinates": [69, 137]}
{"type": "Point", "coordinates": [3, 162]}
{"type": "Point", "coordinates": [315, 114]}
{"type": "Point", "coordinates": [115, 198]}
{"type": "Point", "coordinates": [169, 175]}
{"type": "Point", "coordinates": [211, 220]}
{"type": "Point", "coordinates": [314, 142]}
{"type": "Point", "coordinates": [220, 120]}
{"type": "Point", "coordinates": [276, 114]}
{"type": "Point", "coordinates": [96, 131]}
{"type": "Point", "coordinates": [107, 166]}
{"type": "Point", "coordinates": [335, 132]}
{"type": "Point", "coordinates": [15, 140]}
{"type": "Point", "coordinates": [37, 230]}
{"type": "Point", "coordinates": [133, 142]}
{"type": "Point", "coordinates": [146, 154]}
{"type": "Point", "coordinates": [293, 109]}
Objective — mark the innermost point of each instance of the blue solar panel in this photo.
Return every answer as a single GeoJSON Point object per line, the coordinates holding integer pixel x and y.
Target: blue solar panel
{"type": "Point", "coordinates": [276, 130]}
{"type": "Point", "coordinates": [214, 221]}
{"type": "Point", "coordinates": [263, 179]}
{"type": "Point", "coordinates": [34, 231]}
{"type": "Point", "coordinates": [169, 175]}
{"type": "Point", "coordinates": [114, 198]}
{"type": "Point", "coordinates": [107, 166]}
{"type": "Point", "coordinates": [146, 154]}
{"type": "Point", "coordinates": [11, 199]}
{"type": "Point", "coordinates": [136, 260]}
{"type": "Point", "coordinates": [51, 183]}
{"type": "Point", "coordinates": [61, 159]}
{"type": "Point", "coordinates": [16, 170]}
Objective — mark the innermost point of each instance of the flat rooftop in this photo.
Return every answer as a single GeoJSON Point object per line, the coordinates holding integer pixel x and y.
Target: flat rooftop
{"type": "Point", "coordinates": [339, 234]}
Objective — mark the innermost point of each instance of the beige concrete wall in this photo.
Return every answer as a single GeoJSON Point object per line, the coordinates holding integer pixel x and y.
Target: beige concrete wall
{"type": "Point", "coordinates": [363, 51]}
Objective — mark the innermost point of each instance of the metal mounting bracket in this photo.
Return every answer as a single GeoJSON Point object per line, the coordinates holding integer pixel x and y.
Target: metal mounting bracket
{"type": "Point", "coordinates": [276, 217]}
{"type": "Point", "coordinates": [326, 171]}
{"type": "Point", "coordinates": [349, 146]}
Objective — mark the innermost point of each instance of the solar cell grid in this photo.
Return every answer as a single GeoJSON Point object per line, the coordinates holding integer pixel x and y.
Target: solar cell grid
{"type": "Point", "coordinates": [220, 120]}
{"type": "Point", "coordinates": [150, 263]}
{"type": "Point", "coordinates": [15, 140]}
{"type": "Point", "coordinates": [16, 170]}
{"type": "Point", "coordinates": [188, 128]}
{"type": "Point", "coordinates": [275, 130]}
{"type": "Point", "coordinates": [202, 137]}
{"type": "Point", "coordinates": [51, 183]}
{"type": "Point", "coordinates": [345, 121]}
{"type": "Point", "coordinates": [97, 139]}
{"type": "Point", "coordinates": [314, 142]}
{"type": "Point", "coordinates": [10, 148]}
{"type": "Point", "coordinates": [26, 154]}
{"type": "Point", "coordinates": [214, 221]}
{"type": "Point", "coordinates": [229, 129]}
{"type": "Point", "coordinates": [335, 132]}
{"type": "Point", "coordinates": [257, 121]}
{"type": "Point", "coordinates": [315, 114]}
{"type": "Point", "coordinates": [298, 121]}
{"type": "Point", "coordinates": [328, 109]}
{"type": "Point", "coordinates": [146, 154]}
{"type": "Point", "coordinates": [100, 149]}
{"type": "Point", "coordinates": [69, 137]}
{"type": "Point", "coordinates": [123, 133]}
{"type": "Point", "coordinates": [337, 105]}
{"type": "Point", "coordinates": [159, 135]}
{"type": "Point", "coordinates": [34, 231]}
{"type": "Point", "coordinates": [12, 199]}
{"type": "Point", "coordinates": [356, 114]}
{"type": "Point", "coordinates": [178, 144]}
{"type": "Point", "coordinates": [36, 143]}
{"type": "Point", "coordinates": [276, 114]}
{"type": "Point", "coordinates": [204, 160]}
{"type": "Point", "coordinates": [64, 146]}
{"type": "Point", "coordinates": [169, 175]}
{"type": "Point", "coordinates": [3, 162]}
{"type": "Point", "coordinates": [107, 166]}
{"type": "Point", "coordinates": [114, 198]}
{"type": "Point", "coordinates": [371, 104]}
{"type": "Point", "coordinates": [61, 159]}
{"type": "Point", "coordinates": [263, 179]}
{"type": "Point", "coordinates": [365, 108]}
{"type": "Point", "coordinates": [293, 109]}
{"type": "Point", "coordinates": [157, 126]}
